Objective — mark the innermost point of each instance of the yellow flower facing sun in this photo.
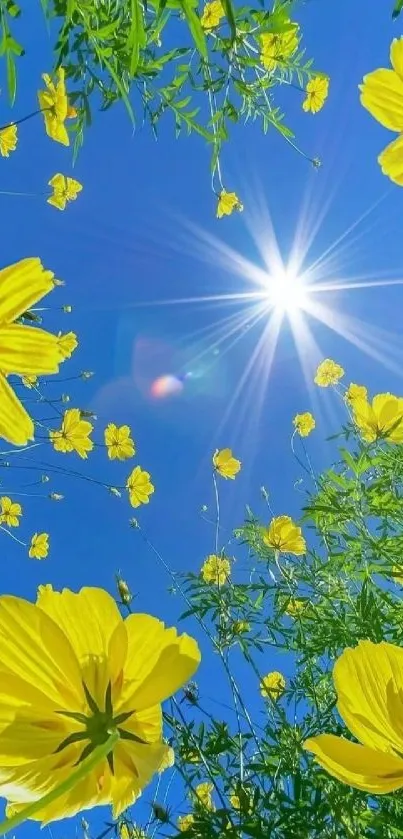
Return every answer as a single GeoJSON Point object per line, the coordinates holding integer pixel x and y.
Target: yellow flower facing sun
{"type": "Point", "coordinates": [54, 105]}
{"type": "Point", "coordinates": [317, 91]}
{"type": "Point", "coordinates": [278, 47]}
{"type": "Point", "coordinates": [226, 464]}
{"type": "Point", "coordinates": [10, 512]}
{"type": "Point", "coordinates": [78, 671]}
{"type": "Point", "coordinates": [382, 95]}
{"type": "Point", "coordinates": [215, 569]}
{"type": "Point", "coordinates": [73, 436]}
{"type": "Point", "coordinates": [118, 441]}
{"type": "Point", "coordinates": [65, 189]}
{"type": "Point", "coordinates": [304, 424]}
{"type": "Point", "coordinates": [24, 350]}
{"type": "Point", "coordinates": [272, 685]}
{"type": "Point", "coordinates": [212, 16]}
{"type": "Point", "coordinates": [8, 140]}
{"type": "Point", "coordinates": [383, 419]}
{"type": "Point", "coordinates": [285, 536]}
{"type": "Point", "coordinates": [39, 547]}
{"type": "Point", "coordinates": [328, 373]}
{"type": "Point", "coordinates": [140, 487]}
{"type": "Point", "coordinates": [227, 203]}
{"type": "Point", "coordinates": [369, 685]}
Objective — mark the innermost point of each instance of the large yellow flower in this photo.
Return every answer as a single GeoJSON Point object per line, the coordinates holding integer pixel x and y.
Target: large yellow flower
{"type": "Point", "coordinates": [226, 464]}
{"type": "Point", "coordinates": [73, 671]}
{"type": "Point", "coordinates": [285, 536]}
{"type": "Point", "coordinates": [73, 436]}
{"type": "Point", "coordinates": [55, 107]}
{"type": "Point", "coordinates": [118, 442]}
{"type": "Point", "coordinates": [24, 350]}
{"type": "Point", "coordinates": [381, 420]}
{"type": "Point", "coordinates": [382, 96]}
{"type": "Point", "coordinates": [369, 684]}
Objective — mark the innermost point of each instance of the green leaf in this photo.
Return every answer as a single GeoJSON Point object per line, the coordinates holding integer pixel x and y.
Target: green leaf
{"type": "Point", "coordinates": [229, 11]}
{"type": "Point", "coordinates": [11, 77]}
{"type": "Point", "coordinates": [195, 27]}
{"type": "Point", "coordinates": [397, 9]}
{"type": "Point", "coordinates": [137, 37]}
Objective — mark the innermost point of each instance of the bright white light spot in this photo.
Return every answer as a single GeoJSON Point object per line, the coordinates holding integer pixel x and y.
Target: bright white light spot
{"type": "Point", "coordinates": [286, 291]}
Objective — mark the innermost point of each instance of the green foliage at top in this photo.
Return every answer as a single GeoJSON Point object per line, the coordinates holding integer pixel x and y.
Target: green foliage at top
{"type": "Point", "coordinates": [155, 56]}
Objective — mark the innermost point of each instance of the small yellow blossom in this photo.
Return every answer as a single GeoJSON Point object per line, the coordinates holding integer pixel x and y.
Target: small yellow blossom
{"type": "Point", "coordinates": [29, 381]}
{"type": "Point", "coordinates": [213, 13]}
{"type": "Point", "coordinates": [397, 571]}
{"type": "Point", "coordinates": [73, 436]}
{"type": "Point", "coordinates": [239, 627]}
{"type": "Point", "coordinates": [294, 607]}
{"type": "Point", "coordinates": [227, 203]}
{"type": "Point", "coordinates": [39, 547]}
{"type": "Point", "coordinates": [203, 795]}
{"type": "Point", "coordinates": [235, 801]}
{"type": "Point", "coordinates": [304, 424]}
{"type": "Point", "coordinates": [185, 822]}
{"type": "Point", "coordinates": [285, 536]}
{"type": "Point", "coordinates": [328, 373]}
{"type": "Point", "coordinates": [119, 444]}
{"type": "Point", "coordinates": [242, 802]}
{"type": "Point", "coordinates": [355, 392]}
{"type": "Point", "coordinates": [8, 140]}
{"type": "Point", "coordinates": [382, 96]}
{"type": "Point", "coordinates": [139, 486]}
{"type": "Point", "coordinates": [277, 48]}
{"type": "Point", "coordinates": [55, 107]}
{"type": "Point", "coordinates": [131, 831]}
{"type": "Point", "coordinates": [273, 685]}
{"type": "Point", "coordinates": [9, 511]}
{"type": "Point", "coordinates": [67, 344]}
{"type": "Point", "coordinates": [65, 189]}
{"type": "Point", "coordinates": [383, 419]}
{"type": "Point", "coordinates": [317, 91]}
{"type": "Point", "coordinates": [215, 569]}
{"type": "Point", "coordinates": [225, 463]}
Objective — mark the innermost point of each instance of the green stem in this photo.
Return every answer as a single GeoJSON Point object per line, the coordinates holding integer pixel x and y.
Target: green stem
{"type": "Point", "coordinates": [90, 762]}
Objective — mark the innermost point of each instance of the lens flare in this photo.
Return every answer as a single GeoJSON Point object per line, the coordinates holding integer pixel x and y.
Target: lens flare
{"type": "Point", "coordinates": [165, 386]}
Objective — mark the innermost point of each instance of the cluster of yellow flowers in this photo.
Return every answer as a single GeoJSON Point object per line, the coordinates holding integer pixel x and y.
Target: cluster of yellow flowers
{"type": "Point", "coordinates": [54, 105]}
{"type": "Point", "coordinates": [10, 514]}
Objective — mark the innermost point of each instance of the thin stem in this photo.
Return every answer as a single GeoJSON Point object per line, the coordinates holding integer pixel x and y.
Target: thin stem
{"type": "Point", "coordinates": [24, 119]}
{"type": "Point", "coordinates": [99, 754]}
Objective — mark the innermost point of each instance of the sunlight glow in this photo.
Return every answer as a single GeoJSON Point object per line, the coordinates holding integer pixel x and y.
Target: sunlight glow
{"type": "Point", "coordinates": [286, 291]}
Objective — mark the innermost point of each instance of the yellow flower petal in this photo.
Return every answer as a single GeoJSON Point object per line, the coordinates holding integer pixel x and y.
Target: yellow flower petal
{"type": "Point", "coordinates": [391, 161]}
{"type": "Point", "coordinates": [396, 56]}
{"type": "Point", "coordinates": [16, 426]}
{"type": "Point", "coordinates": [22, 285]}
{"type": "Point", "coordinates": [355, 765]}
{"type": "Point", "coordinates": [28, 350]}
{"type": "Point", "coordinates": [382, 96]}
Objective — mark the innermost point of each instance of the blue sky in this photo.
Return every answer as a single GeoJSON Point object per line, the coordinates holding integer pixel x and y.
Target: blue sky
{"type": "Point", "coordinates": [127, 242]}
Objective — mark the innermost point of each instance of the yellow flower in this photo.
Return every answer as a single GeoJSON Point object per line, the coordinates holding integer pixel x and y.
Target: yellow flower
{"type": "Point", "coordinates": [317, 91]}
{"type": "Point", "coordinates": [304, 424]}
{"type": "Point", "coordinates": [215, 569]}
{"type": "Point", "coordinates": [285, 536]}
{"type": "Point", "coordinates": [225, 463]}
{"type": "Point", "coordinates": [239, 627]}
{"type": "Point", "coordinates": [24, 350]}
{"type": "Point", "coordinates": [185, 822]}
{"type": "Point", "coordinates": [273, 685]}
{"type": "Point", "coordinates": [213, 13]}
{"type": "Point", "coordinates": [67, 344]}
{"type": "Point", "coordinates": [227, 203]}
{"type": "Point", "coordinates": [235, 801]}
{"type": "Point", "coordinates": [294, 607]}
{"type": "Point", "coordinates": [8, 140]}
{"type": "Point", "coordinates": [328, 373]}
{"type": "Point", "coordinates": [355, 392]}
{"type": "Point", "coordinates": [64, 189]}
{"type": "Point", "coordinates": [39, 547]}
{"type": "Point", "coordinates": [73, 436]}
{"type": "Point", "coordinates": [9, 511]}
{"type": "Point", "coordinates": [118, 442]}
{"type": "Point", "coordinates": [242, 803]}
{"type": "Point", "coordinates": [381, 420]}
{"type": "Point", "coordinates": [29, 381]}
{"type": "Point", "coordinates": [139, 486]}
{"type": "Point", "coordinates": [397, 574]}
{"type": "Point", "coordinates": [278, 47]}
{"type": "Point", "coordinates": [382, 96]}
{"type": "Point", "coordinates": [78, 670]}
{"type": "Point", "coordinates": [55, 107]}
{"type": "Point", "coordinates": [131, 831]}
{"type": "Point", "coordinates": [203, 795]}
{"type": "Point", "coordinates": [369, 685]}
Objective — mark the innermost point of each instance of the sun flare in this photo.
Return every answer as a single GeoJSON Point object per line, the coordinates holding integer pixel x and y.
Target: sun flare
{"type": "Point", "coordinates": [286, 291]}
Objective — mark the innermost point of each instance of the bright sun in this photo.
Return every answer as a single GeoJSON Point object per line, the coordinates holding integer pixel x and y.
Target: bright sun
{"type": "Point", "coordinates": [286, 291]}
